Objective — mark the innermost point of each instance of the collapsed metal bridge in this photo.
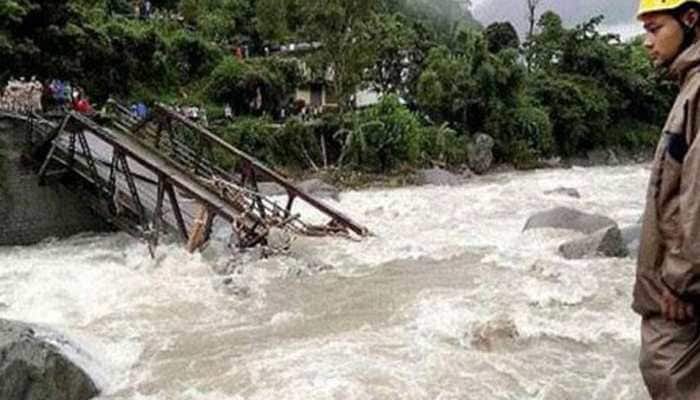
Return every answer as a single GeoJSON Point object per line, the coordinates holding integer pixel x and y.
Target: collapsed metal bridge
{"type": "Point", "coordinates": [130, 166]}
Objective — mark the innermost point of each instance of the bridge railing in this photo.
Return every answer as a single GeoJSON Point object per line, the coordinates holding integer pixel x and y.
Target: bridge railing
{"type": "Point", "coordinates": [170, 142]}
{"type": "Point", "coordinates": [252, 169]}
{"type": "Point", "coordinates": [195, 148]}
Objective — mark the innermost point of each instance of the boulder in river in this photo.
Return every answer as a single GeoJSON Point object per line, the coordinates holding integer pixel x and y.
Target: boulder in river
{"type": "Point", "coordinates": [606, 242]}
{"type": "Point", "coordinates": [481, 153]}
{"type": "Point", "coordinates": [493, 335]}
{"type": "Point", "coordinates": [439, 177]}
{"type": "Point", "coordinates": [564, 191]}
{"type": "Point", "coordinates": [603, 157]}
{"type": "Point", "coordinates": [34, 369]}
{"type": "Point", "coordinates": [553, 162]}
{"type": "Point", "coordinates": [568, 218]}
{"type": "Point", "coordinates": [630, 236]}
{"type": "Point", "coordinates": [279, 240]}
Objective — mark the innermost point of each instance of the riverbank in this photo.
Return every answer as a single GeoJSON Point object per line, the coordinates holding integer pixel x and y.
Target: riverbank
{"type": "Point", "coordinates": [345, 179]}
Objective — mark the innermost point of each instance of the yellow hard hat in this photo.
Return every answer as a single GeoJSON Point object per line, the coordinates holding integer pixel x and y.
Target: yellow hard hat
{"type": "Point", "coordinates": [648, 6]}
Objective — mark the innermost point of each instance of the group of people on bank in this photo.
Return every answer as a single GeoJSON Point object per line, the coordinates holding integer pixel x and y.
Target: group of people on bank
{"type": "Point", "coordinates": [23, 96]}
{"type": "Point", "coordinates": [65, 95]}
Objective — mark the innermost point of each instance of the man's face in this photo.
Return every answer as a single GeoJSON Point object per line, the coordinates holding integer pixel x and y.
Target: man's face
{"type": "Point", "coordinates": [664, 37]}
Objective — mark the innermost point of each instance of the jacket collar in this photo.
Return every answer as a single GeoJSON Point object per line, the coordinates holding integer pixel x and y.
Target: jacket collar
{"type": "Point", "coordinates": [688, 60]}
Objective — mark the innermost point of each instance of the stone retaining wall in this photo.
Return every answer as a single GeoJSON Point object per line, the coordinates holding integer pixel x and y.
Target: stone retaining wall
{"type": "Point", "coordinates": [30, 213]}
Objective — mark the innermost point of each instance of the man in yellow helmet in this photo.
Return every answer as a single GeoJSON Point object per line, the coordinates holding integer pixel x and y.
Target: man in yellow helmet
{"type": "Point", "coordinates": [667, 287]}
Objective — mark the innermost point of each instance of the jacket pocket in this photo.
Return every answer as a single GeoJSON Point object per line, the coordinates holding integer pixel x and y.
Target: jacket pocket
{"type": "Point", "coordinates": [668, 191]}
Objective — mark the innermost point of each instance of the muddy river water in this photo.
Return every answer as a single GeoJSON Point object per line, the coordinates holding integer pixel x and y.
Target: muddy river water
{"type": "Point", "coordinates": [448, 300]}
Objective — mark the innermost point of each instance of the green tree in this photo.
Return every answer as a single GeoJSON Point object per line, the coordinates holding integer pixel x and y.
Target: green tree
{"type": "Point", "coordinates": [442, 18]}
{"type": "Point", "coordinates": [32, 33]}
{"type": "Point", "coordinates": [117, 7]}
{"type": "Point", "coordinates": [347, 51]}
{"type": "Point", "coordinates": [272, 20]}
{"type": "Point", "coordinates": [398, 54]}
{"type": "Point", "coordinates": [239, 82]}
{"type": "Point", "coordinates": [501, 35]}
{"type": "Point", "coordinates": [544, 50]}
{"type": "Point", "coordinates": [192, 55]}
{"type": "Point", "coordinates": [578, 109]}
{"type": "Point", "coordinates": [600, 73]}
{"type": "Point", "coordinates": [167, 4]}
{"type": "Point", "coordinates": [11, 15]}
{"type": "Point", "coordinates": [464, 86]}
{"type": "Point", "coordinates": [382, 137]}
{"type": "Point", "coordinates": [221, 20]}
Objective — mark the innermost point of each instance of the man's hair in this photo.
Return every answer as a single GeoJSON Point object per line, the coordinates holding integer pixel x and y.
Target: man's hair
{"type": "Point", "coordinates": [678, 12]}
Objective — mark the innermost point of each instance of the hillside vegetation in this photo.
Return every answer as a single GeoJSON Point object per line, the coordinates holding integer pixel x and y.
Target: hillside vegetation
{"type": "Point", "coordinates": [445, 78]}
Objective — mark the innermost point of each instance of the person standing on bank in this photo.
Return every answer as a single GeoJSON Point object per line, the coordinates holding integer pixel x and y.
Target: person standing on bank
{"type": "Point", "coordinates": [667, 287]}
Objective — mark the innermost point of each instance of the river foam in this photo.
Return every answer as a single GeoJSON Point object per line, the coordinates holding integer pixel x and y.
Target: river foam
{"type": "Point", "coordinates": [449, 299]}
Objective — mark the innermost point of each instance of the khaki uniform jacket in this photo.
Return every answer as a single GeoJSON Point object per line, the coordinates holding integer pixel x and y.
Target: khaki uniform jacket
{"type": "Point", "coordinates": [669, 251]}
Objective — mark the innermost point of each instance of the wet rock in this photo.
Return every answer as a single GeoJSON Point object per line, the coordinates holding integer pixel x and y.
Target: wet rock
{"type": "Point", "coordinates": [606, 242]}
{"type": "Point", "coordinates": [439, 177]}
{"type": "Point", "coordinates": [568, 218]}
{"type": "Point", "coordinates": [631, 233]}
{"type": "Point", "coordinates": [33, 369]}
{"type": "Point", "coordinates": [231, 287]}
{"type": "Point", "coordinates": [630, 237]}
{"type": "Point", "coordinates": [603, 157]}
{"type": "Point", "coordinates": [466, 173]}
{"type": "Point", "coordinates": [580, 162]}
{"type": "Point", "coordinates": [597, 157]}
{"type": "Point", "coordinates": [234, 264]}
{"type": "Point", "coordinates": [612, 158]}
{"type": "Point", "coordinates": [481, 154]}
{"type": "Point", "coordinates": [279, 240]}
{"type": "Point", "coordinates": [553, 162]}
{"type": "Point", "coordinates": [492, 335]}
{"type": "Point", "coordinates": [571, 192]}
{"type": "Point", "coordinates": [317, 187]}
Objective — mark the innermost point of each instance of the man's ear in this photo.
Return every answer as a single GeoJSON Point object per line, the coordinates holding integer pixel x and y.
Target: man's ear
{"type": "Point", "coordinates": [691, 18]}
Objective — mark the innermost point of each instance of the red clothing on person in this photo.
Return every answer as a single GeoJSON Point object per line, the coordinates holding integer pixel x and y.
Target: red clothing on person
{"type": "Point", "coordinates": [82, 106]}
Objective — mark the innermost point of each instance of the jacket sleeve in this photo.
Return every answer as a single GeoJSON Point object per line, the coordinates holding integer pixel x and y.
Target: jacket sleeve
{"type": "Point", "coordinates": [690, 205]}
{"type": "Point", "coordinates": [681, 269]}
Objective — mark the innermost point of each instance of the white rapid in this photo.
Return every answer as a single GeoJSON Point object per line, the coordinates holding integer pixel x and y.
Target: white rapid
{"type": "Point", "coordinates": [449, 300]}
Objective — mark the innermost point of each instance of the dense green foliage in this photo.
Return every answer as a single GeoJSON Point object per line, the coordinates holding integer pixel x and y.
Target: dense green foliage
{"type": "Point", "coordinates": [238, 83]}
{"type": "Point", "coordinates": [591, 82]}
{"type": "Point", "coordinates": [561, 91]}
{"type": "Point", "coordinates": [500, 36]}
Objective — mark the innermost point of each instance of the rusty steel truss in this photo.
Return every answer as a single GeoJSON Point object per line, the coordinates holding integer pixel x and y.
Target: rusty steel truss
{"type": "Point", "coordinates": [132, 165]}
